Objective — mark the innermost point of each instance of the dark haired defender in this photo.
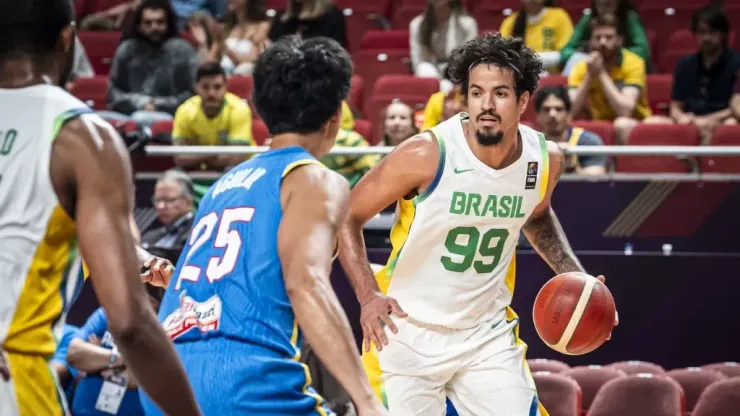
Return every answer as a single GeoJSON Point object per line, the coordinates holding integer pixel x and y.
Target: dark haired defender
{"type": "Point", "coordinates": [464, 190]}
{"type": "Point", "coordinates": [65, 174]}
{"type": "Point", "coordinates": [254, 278]}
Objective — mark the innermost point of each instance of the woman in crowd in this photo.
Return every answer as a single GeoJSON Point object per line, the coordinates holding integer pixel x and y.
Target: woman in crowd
{"type": "Point", "coordinates": [398, 123]}
{"type": "Point", "coordinates": [444, 26]}
{"type": "Point", "coordinates": [246, 29]}
{"type": "Point", "coordinates": [310, 18]}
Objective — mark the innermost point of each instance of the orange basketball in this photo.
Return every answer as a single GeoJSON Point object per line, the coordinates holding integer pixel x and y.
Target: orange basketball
{"type": "Point", "coordinates": [574, 313]}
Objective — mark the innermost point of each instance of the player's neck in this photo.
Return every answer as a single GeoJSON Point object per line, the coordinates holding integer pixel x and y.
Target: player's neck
{"type": "Point", "coordinates": [20, 73]}
{"type": "Point", "coordinates": [499, 156]}
{"type": "Point", "coordinates": [311, 143]}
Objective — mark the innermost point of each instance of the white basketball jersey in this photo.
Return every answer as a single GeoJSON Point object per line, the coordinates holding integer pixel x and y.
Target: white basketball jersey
{"type": "Point", "coordinates": [453, 245]}
{"type": "Point", "coordinates": [36, 235]}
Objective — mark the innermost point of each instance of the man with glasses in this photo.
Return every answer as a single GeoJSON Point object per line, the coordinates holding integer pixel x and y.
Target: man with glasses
{"type": "Point", "coordinates": [173, 202]}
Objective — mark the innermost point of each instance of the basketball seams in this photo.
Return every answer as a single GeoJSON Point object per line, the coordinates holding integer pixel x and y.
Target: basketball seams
{"type": "Point", "coordinates": [575, 318]}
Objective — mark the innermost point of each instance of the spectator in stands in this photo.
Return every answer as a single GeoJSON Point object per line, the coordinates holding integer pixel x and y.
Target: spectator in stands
{"type": "Point", "coordinates": [208, 36]}
{"type": "Point", "coordinates": [351, 167]}
{"type": "Point", "coordinates": [81, 66]}
{"type": "Point", "coordinates": [703, 82]}
{"type": "Point", "coordinates": [115, 18]}
{"type": "Point", "coordinates": [213, 117]}
{"type": "Point", "coordinates": [65, 373]}
{"type": "Point", "coordinates": [247, 29]}
{"type": "Point", "coordinates": [310, 18]}
{"type": "Point", "coordinates": [544, 29]}
{"type": "Point", "coordinates": [173, 201]}
{"type": "Point", "coordinates": [441, 106]}
{"type": "Point", "coordinates": [553, 116]}
{"type": "Point", "coordinates": [185, 8]}
{"type": "Point", "coordinates": [94, 352]}
{"type": "Point", "coordinates": [630, 28]}
{"type": "Point", "coordinates": [444, 26]}
{"type": "Point", "coordinates": [611, 82]}
{"type": "Point", "coordinates": [735, 101]}
{"type": "Point", "coordinates": [398, 123]}
{"type": "Point", "coordinates": [152, 71]}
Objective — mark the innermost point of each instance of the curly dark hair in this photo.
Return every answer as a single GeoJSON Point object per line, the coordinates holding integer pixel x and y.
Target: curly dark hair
{"type": "Point", "coordinates": [300, 84]}
{"type": "Point", "coordinates": [504, 52]}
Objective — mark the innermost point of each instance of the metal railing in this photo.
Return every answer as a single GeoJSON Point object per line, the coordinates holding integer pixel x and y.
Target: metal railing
{"type": "Point", "coordinates": [382, 150]}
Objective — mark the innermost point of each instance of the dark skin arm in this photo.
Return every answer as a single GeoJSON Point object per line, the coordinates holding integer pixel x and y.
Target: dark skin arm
{"type": "Point", "coordinates": [404, 172]}
{"type": "Point", "coordinates": [91, 174]}
{"type": "Point", "coordinates": [314, 201]}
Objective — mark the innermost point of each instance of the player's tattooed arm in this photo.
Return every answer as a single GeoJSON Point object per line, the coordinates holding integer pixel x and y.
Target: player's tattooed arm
{"type": "Point", "coordinates": [543, 230]}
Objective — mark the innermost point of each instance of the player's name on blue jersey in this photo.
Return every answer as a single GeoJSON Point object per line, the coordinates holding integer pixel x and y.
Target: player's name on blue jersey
{"type": "Point", "coordinates": [240, 179]}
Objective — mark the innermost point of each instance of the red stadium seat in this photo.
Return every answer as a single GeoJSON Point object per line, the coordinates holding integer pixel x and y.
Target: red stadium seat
{"type": "Point", "coordinates": [639, 395]}
{"type": "Point", "coordinates": [681, 40]}
{"type": "Point", "coordinates": [103, 5]}
{"type": "Point", "coordinates": [669, 59]}
{"type": "Point", "coordinates": [403, 16]}
{"type": "Point", "coordinates": [560, 395]}
{"type": "Point", "coordinates": [161, 127]}
{"type": "Point", "coordinates": [652, 37]}
{"type": "Point", "coordinates": [723, 136]}
{"type": "Point", "coordinates": [694, 381]}
{"type": "Point", "coordinates": [720, 399]}
{"type": "Point", "coordinates": [638, 367]}
{"type": "Point", "coordinates": [100, 48]}
{"type": "Point", "coordinates": [590, 379]}
{"type": "Point", "coordinates": [241, 86]}
{"type": "Point", "coordinates": [543, 364]}
{"type": "Point", "coordinates": [490, 15]}
{"type": "Point", "coordinates": [658, 135]}
{"type": "Point", "coordinates": [364, 128]}
{"type": "Point", "coordinates": [603, 129]}
{"type": "Point", "coordinates": [93, 91]}
{"type": "Point", "coordinates": [260, 132]}
{"type": "Point", "coordinates": [405, 85]}
{"type": "Point", "coordinates": [385, 39]}
{"type": "Point", "coordinates": [659, 88]}
{"type": "Point", "coordinates": [371, 64]}
{"type": "Point", "coordinates": [356, 92]}
{"type": "Point", "coordinates": [362, 16]}
{"type": "Point", "coordinates": [669, 18]}
{"type": "Point", "coordinates": [730, 369]}
{"type": "Point", "coordinates": [275, 4]}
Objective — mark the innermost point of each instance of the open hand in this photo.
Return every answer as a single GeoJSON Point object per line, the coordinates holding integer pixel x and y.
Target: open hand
{"type": "Point", "coordinates": [375, 313]}
{"type": "Point", "coordinates": [158, 271]}
{"type": "Point", "coordinates": [602, 279]}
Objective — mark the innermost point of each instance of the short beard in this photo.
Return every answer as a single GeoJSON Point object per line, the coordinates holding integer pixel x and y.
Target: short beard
{"type": "Point", "coordinates": [489, 139]}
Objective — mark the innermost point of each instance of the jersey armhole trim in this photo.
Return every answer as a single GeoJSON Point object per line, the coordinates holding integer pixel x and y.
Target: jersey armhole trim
{"type": "Point", "coordinates": [298, 163]}
{"type": "Point", "coordinates": [545, 166]}
{"type": "Point", "coordinates": [438, 174]}
{"type": "Point", "coordinates": [66, 116]}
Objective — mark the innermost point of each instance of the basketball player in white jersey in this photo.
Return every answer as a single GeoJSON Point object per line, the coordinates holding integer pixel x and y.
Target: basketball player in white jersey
{"type": "Point", "coordinates": [464, 190]}
{"type": "Point", "coordinates": [65, 174]}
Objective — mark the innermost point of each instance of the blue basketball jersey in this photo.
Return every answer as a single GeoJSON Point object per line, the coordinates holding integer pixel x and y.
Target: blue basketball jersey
{"type": "Point", "coordinates": [228, 281]}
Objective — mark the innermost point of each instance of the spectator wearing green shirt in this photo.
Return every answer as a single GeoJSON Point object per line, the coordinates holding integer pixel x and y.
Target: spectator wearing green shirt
{"type": "Point", "coordinates": [630, 27]}
{"type": "Point", "coordinates": [350, 166]}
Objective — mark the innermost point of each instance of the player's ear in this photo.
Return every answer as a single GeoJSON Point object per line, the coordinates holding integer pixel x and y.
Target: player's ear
{"type": "Point", "coordinates": [523, 101]}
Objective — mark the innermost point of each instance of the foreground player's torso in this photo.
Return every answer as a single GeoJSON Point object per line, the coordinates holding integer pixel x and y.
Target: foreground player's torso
{"type": "Point", "coordinates": [455, 266]}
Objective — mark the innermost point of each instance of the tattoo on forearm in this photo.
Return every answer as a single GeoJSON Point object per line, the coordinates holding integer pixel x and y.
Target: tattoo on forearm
{"type": "Point", "coordinates": [548, 238]}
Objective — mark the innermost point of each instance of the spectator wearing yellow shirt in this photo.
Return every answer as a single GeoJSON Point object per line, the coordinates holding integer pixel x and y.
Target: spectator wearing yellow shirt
{"type": "Point", "coordinates": [544, 29]}
{"type": "Point", "coordinates": [611, 83]}
{"type": "Point", "coordinates": [213, 117]}
{"type": "Point", "coordinates": [441, 106]}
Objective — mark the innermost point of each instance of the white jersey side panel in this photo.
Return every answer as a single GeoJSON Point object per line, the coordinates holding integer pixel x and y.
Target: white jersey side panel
{"type": "Point", "coordinates": [35, 234]}
{"type": "Point", "coordinates": [453, 269]}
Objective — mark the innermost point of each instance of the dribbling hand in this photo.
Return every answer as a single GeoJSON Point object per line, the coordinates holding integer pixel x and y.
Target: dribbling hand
{"type": "Point", "coordinates": [375, 313]}
{"type": "Point", "coordinates": [602, 279]}
{"type": "Point", "coordinates": [158, 271]}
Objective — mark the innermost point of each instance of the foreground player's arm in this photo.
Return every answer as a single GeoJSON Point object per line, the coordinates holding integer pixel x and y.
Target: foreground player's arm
{"type": "Point", "coordinates": [411, 165]}
{"type": "Point", "coordinates": [314, 202]}
{"type": "Point", "coordinates": [543, 230]}
{"type": "Point", "coordinates": [90, 163]}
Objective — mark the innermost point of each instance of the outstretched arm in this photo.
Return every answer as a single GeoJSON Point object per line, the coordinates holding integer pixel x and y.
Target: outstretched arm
{"type": "Point", "coordinates": [543, 230]}
{"type": "Point", "coordinates": [314, 201]}
{"type": "Point", "coordinates": [92, 176]}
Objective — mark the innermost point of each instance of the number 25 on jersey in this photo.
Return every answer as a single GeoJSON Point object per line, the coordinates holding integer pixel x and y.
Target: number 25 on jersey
{"type": "Point", "coordinates": [227, 239]}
